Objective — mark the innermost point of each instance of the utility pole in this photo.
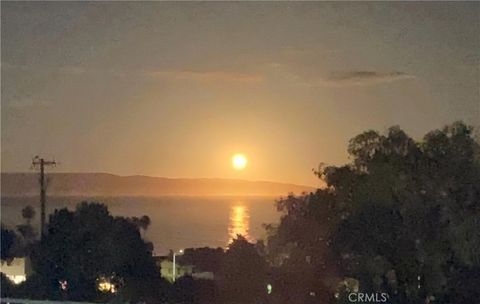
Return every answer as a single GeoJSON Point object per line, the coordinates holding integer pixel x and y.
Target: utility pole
{"type": "Point", "coordinates": [40, 162]}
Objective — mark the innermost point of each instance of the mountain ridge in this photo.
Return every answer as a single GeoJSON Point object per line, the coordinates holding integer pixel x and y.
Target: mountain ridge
{"type": "Point", "coordinates": [107, 184]}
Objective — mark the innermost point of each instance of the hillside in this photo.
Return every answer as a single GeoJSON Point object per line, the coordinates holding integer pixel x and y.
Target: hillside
{"type": "Point", "coordinates": [103, 184]}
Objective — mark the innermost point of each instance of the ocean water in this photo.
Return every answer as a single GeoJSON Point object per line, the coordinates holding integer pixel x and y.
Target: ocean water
{"type": "Point", "coordinates": [176, 222]}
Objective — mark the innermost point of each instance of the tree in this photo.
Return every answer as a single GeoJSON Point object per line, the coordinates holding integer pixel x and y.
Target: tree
{"type": "Point", "coordinates": [204, 259]}
{"type": "Point", "coordinates": [142, 223]}
{"type": "Point", "coordinates": [28, 213]}
{"type": "Point", "coordinates": [26, 230]}
{"type": "Point", "coordinates": [185, 290]}
{"type": "Point", "coordinates": [7, 287]}
{"type": "Point", "coordinates": [87, 245]}
{"type": "Point", "coordinates": [8, 241]}
{"type": "Point", "coordinates": [243, 274]}
{"type": "Point", "coordinates": [401, 218]}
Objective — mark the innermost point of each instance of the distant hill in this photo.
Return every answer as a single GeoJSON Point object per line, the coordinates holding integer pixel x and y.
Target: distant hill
{"type": "Point", "coordinates": [103, 184]}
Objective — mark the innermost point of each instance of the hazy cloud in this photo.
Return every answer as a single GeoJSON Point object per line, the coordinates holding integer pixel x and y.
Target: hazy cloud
{"type": "Point", "coordinates": [363, 77]}
{"type": "Point", "coordinates": [311, 78]}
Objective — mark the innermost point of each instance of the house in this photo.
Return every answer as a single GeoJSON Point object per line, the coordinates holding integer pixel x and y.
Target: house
{"type": "Point", "coordinates": [16, 270]}
{"type": "Point", "coordinates": [166, 269]}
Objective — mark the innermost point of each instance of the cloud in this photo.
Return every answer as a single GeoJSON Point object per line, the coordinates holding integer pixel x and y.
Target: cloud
{"type": "Point", "coordinates": [312, 78]}
{"type": "Point", "coordinates": [208, 76]}
{"type": "Point", "coordinates": [363, 77]}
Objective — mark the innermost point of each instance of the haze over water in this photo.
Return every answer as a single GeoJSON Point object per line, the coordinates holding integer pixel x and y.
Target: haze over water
{"type": "Point", "coordinates": [176, 221]}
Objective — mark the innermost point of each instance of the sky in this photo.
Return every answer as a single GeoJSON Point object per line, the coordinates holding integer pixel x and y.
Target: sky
{"type": "Point", "coordinates": [174, 89]}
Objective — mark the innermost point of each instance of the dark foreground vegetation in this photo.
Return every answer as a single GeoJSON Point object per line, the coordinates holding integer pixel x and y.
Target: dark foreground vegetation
{"type": "Point", "coordinates": [402, 219]}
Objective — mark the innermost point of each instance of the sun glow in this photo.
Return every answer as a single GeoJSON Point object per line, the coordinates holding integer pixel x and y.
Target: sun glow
{"type": "Point", "coordinates": [239, 161]}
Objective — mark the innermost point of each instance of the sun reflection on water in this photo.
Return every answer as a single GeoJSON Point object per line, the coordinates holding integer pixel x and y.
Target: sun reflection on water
{"type": "Point", "coordinates": [239, 222]}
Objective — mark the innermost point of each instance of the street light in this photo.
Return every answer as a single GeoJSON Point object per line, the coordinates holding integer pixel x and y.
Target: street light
{"type": "Point", "coordinates": [175, 265]}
